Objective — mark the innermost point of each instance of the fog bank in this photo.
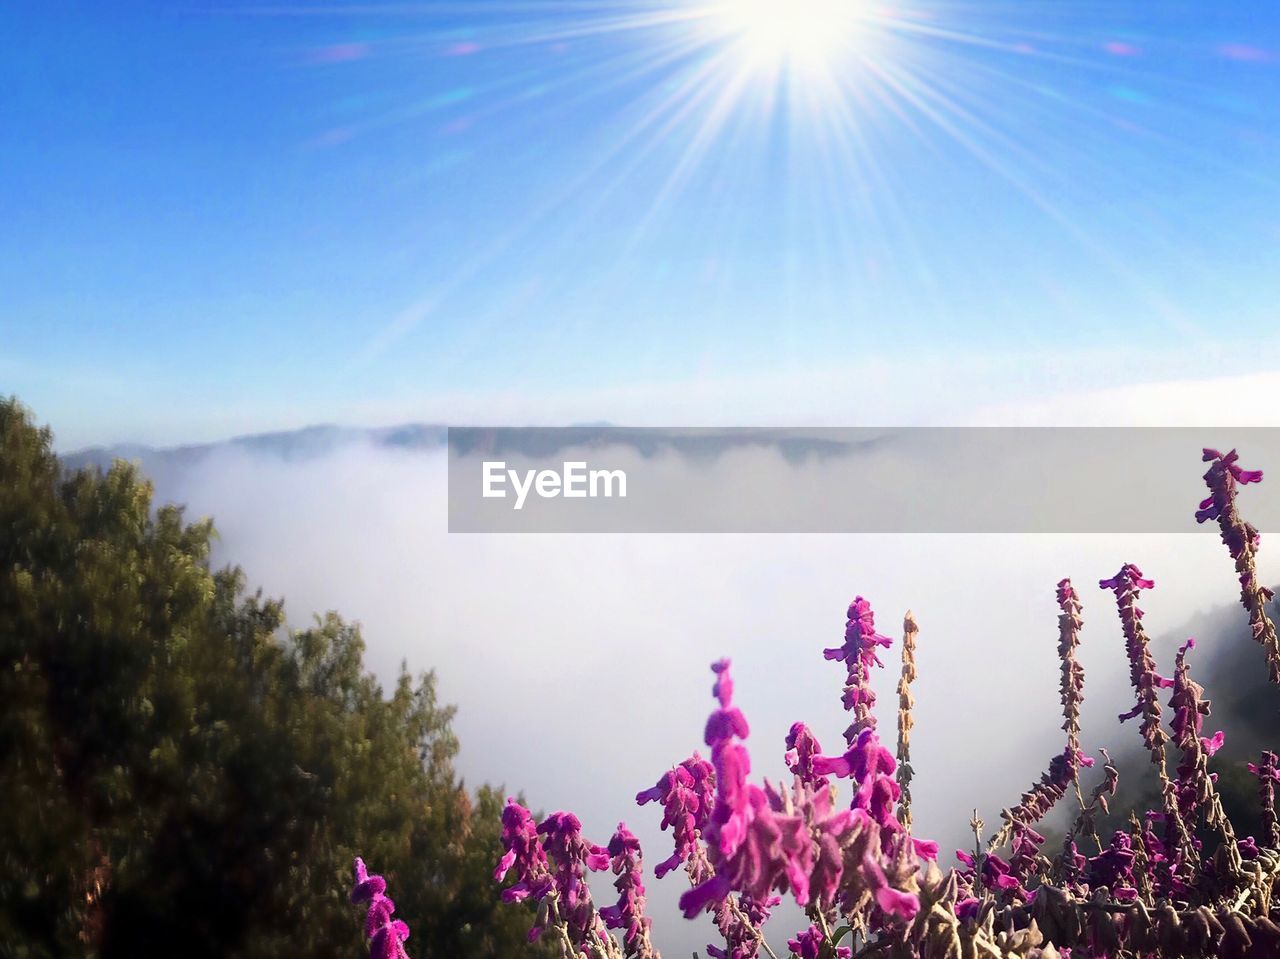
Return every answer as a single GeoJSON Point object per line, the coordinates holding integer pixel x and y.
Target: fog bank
{"type": "Point", "coordinates": [579, 663]}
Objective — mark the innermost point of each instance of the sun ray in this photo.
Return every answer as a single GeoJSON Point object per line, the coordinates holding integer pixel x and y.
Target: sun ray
{"type": "Point", "coordinates": [817, 110]}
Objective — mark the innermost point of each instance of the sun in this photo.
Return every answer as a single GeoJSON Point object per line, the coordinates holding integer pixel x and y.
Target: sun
{"type": "Point", "coordinates": [801, 34]}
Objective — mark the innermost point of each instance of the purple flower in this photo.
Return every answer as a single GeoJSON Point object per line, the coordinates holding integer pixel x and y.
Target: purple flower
{"type": "Point", "coordinates": [1127, 584]}
{"type": "Point", "coordinates": [561, 834]}
{"type": "Point", "coordinates": [1073, 863]}
{"type": "Point", "coordinates": [628, 914]}
{"type": "Point", "coordinates": [925, 849]}
{"type": "Point", "coordinates": [386, 935]}
{"type": "Point", "coordinates": [367, 887]}
{"type": "Point", "coordinates": [524, 853]}
{"type": "Point", "coordinates": [802, 749]}
{"type": "Point", "coordinates": [762, 841]}
{"type": "Point", "coordinates": [1222, 477]}
{"type": "Point", "coordinates": [740, 925]}
{"type": "Point", "coordinates": [808, 945]}
{"type": "Point", "coordinates": [871, 766]}
{"type": "Point", "coordinates": [551, 860]}
{"type": "Point", "coordinates": [1187, 701]}
{"type": "Point", "coordinates": [687, 793]}
{"type": "Point", "coordinates": [1146, 682]}
{"type": "Point", "coordinates": [816, 865]}
{"type": "Point", "coordinates": [1129, 578]}
{"type": "Point", "coordinates": [1242, 540]}
{"type": "Point", "coordinates": [705, 895]}
{"type": "Point", "coordinates": [562, 837]}
{"type": "Point", "coordinates": [1211, 744]}
{"type": "Point", "coordinates": [1034, 806]}
{"type": "Point", "coordinates": [1113, 867]}
{"type": "Point", "coordinates": [771, 855]}
{"type": "Point", "coordinates": [1071, 685]}
{"type": "Point", "coordinates": [1267, 771]}
{"type": "Point", "coordinates": [733, 808]}
{"type": "Point", "coordinates": [858, 653]}
{"type": "Point", "coordinates": [1194, 786]}
{"type": "Point", "coordinates": [863, 760]}
{"type": "Point", "coordinates": [967, 908]}
{"type": "Point", "coordinates": [1226, 471]}
{"type": "Point", "coordinates": [893, 902]}
{"type": "Point", "coordinates": [754, 848]}
{"type": "Point", "coordinates": [994, 874]}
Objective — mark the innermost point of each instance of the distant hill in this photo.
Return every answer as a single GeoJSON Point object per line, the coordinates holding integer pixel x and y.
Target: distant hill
{"type": "Point", "coordinates": [311, 442]}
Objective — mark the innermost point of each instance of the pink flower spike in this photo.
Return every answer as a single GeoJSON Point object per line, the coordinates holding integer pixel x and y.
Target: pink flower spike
{"type": "Point", "coordinates": [367, 887]}
{"type": "Point", "coordinates": [385, 934]}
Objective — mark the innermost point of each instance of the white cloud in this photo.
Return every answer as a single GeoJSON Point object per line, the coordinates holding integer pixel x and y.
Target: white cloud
{"type": "Point", "coordinates": [1251, 399]}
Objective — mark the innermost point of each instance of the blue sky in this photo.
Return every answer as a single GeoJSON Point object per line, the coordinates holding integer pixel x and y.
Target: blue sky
{"type": "Point", "coordinates": [236, 216]}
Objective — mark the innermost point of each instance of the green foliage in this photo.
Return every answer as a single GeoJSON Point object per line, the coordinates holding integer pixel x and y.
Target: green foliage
{"type": "Point", "coordinates": [180, 774]}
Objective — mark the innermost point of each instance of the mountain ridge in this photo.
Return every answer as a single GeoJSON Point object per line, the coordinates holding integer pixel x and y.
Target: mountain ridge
{"type": "Point", "coordinates": [307, 442]}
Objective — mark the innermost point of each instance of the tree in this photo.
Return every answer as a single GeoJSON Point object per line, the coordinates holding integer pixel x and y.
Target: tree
{"type": "Point", "coordinates": [178, 771]}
